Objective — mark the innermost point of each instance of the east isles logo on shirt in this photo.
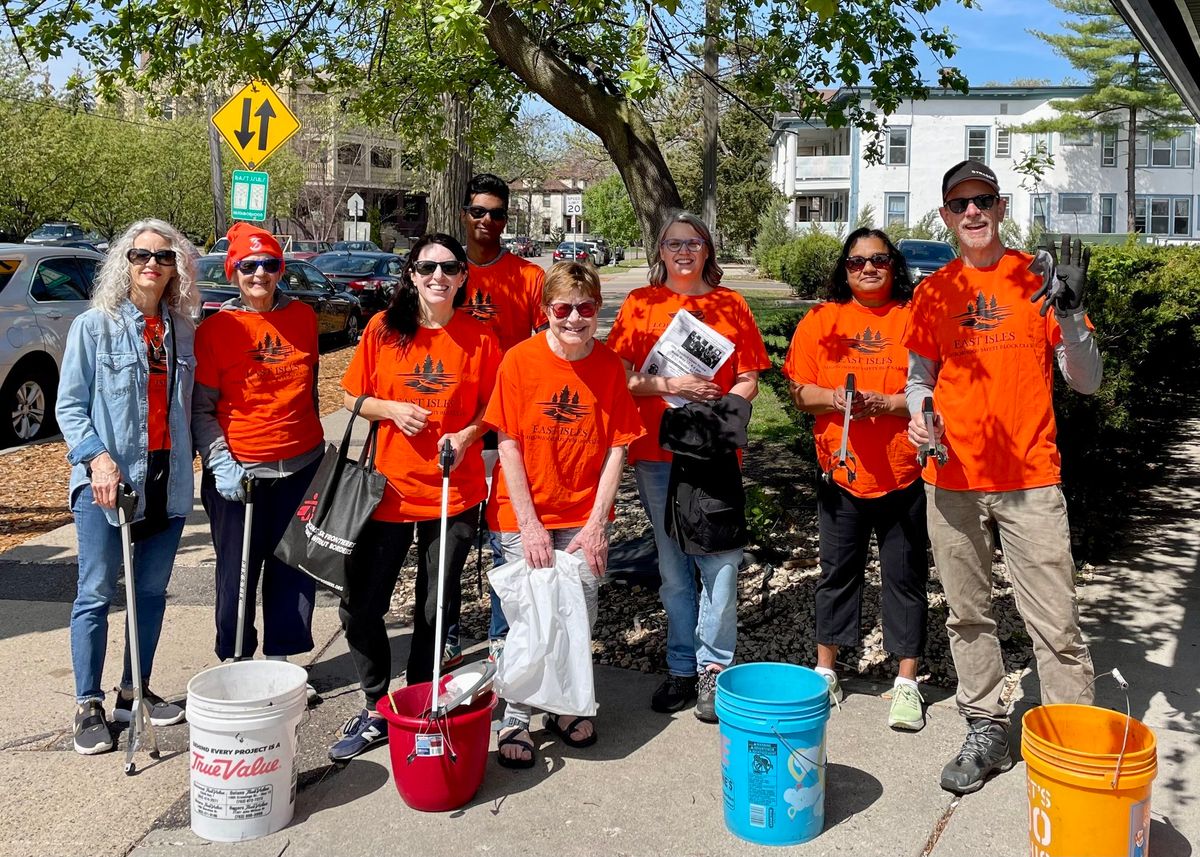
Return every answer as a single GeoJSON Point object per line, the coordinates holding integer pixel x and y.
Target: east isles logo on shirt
{"type": "Point", "coordinates": [564, 406]}
{"type": "Point", "coordinates": [983, 314]}
{"type": "Point", "coordinates": [481, 307]}
{"type": "Point", "coordinates": [698, 314]}
{"type": "Point", "coordinates": [428, 377]}
{"type": "Point", "coordinates": [269, 350]}
{"type": "Point", "coordinates": [867, 342]}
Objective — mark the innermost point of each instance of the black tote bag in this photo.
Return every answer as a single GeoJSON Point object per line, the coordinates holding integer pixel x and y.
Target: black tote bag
{"type": "Point", "coordinates": [340, 500]}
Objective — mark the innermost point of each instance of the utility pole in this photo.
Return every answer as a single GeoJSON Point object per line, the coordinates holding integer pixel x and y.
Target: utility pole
{"type": "Point", "coordinates": [709, 108]}
{"type": "Point", "coordinates": [220, 221]}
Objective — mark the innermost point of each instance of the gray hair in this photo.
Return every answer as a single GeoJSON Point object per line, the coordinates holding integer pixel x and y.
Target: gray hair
{"type": "Point", "coordinates": [712, 271]}
{"type": "Point", "coordinates": [113, 282]}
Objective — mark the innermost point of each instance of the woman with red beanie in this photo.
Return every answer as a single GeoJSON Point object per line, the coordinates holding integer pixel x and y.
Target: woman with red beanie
{"type": "Point", "coordinates": [255, 416]}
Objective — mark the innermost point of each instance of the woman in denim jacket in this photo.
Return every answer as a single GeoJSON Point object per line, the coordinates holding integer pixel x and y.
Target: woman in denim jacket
{"type": "Point", "coordinates": [124, 407]}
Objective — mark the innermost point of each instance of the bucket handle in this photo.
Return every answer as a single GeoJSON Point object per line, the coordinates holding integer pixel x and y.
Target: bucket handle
{"type": "Point", "coordinates": [1124, 685]}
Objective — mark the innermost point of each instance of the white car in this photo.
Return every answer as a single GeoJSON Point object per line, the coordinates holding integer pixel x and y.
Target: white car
{"type": "Point", "coordinates": [42, 290]}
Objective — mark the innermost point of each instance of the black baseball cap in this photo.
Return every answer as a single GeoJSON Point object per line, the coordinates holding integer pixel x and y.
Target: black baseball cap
{"type": "Point", "coordinates": [965, 171]}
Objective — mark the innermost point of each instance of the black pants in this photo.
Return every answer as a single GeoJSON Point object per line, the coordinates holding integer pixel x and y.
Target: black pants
{"type": "Point", "coordinates": [287, 595]}
{"type": "Point", "coordinates": [376, 563]}
{"type": "Point", "coordinates": [846, 523]}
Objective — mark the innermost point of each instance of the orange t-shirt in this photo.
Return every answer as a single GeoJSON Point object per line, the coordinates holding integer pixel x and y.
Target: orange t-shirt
{"type": "Point", "coordinates": [450, 371]}
{"type": "Point", "coordinates": [566, 415]}
{"type": "Point", "coordinates": [506, 295]}
{"type": "Point", "coordinates": [996, 374]}
{"type": "Point", "coordinates": [833, 340]}
{"type": "Point", "coordinates": [644, 316]}
{"type": "Point", "coordinates": [261, 364]}
{"type": "Point", "coordinates": [158, 432]}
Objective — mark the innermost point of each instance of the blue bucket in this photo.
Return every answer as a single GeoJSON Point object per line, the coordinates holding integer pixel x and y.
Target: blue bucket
{"type": "Point", "coordinates": [773, 751]}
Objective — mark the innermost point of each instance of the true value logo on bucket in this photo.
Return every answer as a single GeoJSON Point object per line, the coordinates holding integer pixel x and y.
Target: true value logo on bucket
{"type": "Point", "coordinates": [238, 802]}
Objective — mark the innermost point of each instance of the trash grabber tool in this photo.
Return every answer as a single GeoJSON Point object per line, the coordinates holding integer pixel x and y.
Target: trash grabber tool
{"type": "Point", "coordinates": [446, 460]}
{"type": "Point", "coordinates": [244, 582]}
{"type": "Point", "coordinates": [931, 446]}
{"type": "Point", "coordinates": [843, 459]}
{"type": "Point", "coordinates": [141, 731]}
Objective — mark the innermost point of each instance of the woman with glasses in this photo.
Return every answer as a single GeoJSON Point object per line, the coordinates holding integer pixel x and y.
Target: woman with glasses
{"type": "Point", "coordinates": [564, 417]}
{"type": "Point", "coordinates": [701, 628]}
{"type": "Point", "coordinates": [426, 370]}
{"type": "Point", "coordinates": [124, 403]}
{"type": "Point", "coordinates": [258, 428]}
{"type": "Point", "coordinates": [876, 487]}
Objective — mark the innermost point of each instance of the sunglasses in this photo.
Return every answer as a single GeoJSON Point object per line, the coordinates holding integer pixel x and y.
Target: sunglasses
{"type": "Point", "coordinates": [478, 212]}
{"type": "Point", "coordinates": [141, 257]}
{"type": "Point", "coordinates": [983, 202]}
{"type": "Point", "coordinates": [562, 309]}
{"type": "Point", "coordinates": [677, 244]}
{"type": "Point", "coordinates": [877, 260]}
{"type": "Point", "coordinates": [425, 267]}
{"type": "Point", "coordinates": [249, 266]}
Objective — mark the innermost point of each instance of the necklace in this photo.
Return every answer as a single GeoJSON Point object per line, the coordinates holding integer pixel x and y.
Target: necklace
{"type": "Point", "coordinates": [155, 336]}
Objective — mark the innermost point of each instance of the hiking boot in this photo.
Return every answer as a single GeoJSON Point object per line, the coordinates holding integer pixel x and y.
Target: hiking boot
{"type": "Point", "coordinates": [674, 694]}
{"type": "Point", "coordinates": [906, 712]}
{"type": "Point", "coordinates": [359, 734]}
{"type": "Point", "coordinates": [706, 696]}
{"type": "Point", "coordinates": [452, 656]}
{"type": "Point", "coordinates": [92, 734]}
{"type": "Point", "coordinates": [983, 753]}
{"type": "Point", "coordinates": [162, 713]}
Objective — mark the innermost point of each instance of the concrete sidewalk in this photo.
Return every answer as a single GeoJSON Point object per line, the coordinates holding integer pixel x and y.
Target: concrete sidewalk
{"type": "Point", "coordinates": [652, 785]}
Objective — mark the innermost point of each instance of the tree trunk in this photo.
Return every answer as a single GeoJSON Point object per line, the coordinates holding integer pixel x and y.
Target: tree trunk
{"type": "Point", "coordinates": [449, 186]}
{"type": "Point", "coordinates": [709, 100]}
{"type": "Point", "coordinates": [621, 127]}
{"type": "Point", "coordinates": [216, 179]}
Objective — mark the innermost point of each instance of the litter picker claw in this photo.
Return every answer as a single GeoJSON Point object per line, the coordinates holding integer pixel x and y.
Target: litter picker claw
{"type": "Point", "coordinates": [844, 456]}
{"type": "Point", "coordinates": [141, 730]}
{"type": "Point", "coordinates": [930, 446]}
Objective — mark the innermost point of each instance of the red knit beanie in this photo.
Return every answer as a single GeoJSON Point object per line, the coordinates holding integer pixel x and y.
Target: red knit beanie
{"type": "Point", "coordinates": [246, 240]}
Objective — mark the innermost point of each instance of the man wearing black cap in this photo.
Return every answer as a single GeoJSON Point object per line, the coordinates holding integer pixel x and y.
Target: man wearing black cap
{"type": "Point", "coordinates": [986, 332]}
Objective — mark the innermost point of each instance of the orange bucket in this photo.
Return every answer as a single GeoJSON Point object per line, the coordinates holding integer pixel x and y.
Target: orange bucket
{"type": "Point", "coordinates": [1089, 774]}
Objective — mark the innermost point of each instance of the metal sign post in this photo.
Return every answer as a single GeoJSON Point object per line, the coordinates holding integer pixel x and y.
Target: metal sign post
{"type": "Point", "coordinates": [573, 206]}
{"type": "Point", "coordinates": [354, 207]}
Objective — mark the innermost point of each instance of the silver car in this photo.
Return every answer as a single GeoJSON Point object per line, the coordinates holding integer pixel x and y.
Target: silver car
{"type": "Point", "coordinates": [42, 290]}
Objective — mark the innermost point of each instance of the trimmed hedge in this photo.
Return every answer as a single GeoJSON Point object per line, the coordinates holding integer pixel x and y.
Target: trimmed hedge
{"type": "Point", "coordinates": [803, 263]}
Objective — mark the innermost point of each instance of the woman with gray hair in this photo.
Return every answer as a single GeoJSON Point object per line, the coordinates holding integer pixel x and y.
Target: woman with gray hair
{"type": "Point", "coordinates": [124, 407]}
{"type": "Point", "coordinates": [701, 624]}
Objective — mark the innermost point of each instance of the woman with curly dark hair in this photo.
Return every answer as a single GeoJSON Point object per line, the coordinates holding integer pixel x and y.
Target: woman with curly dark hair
{"type": "Point", "coordinates": [427, 371]}
{"type": "Point", "coordinates": [876, 487]}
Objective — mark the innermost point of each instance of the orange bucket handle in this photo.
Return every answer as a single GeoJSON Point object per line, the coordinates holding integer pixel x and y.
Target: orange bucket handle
{"type": "Point", "coordinates": [1124, 685]}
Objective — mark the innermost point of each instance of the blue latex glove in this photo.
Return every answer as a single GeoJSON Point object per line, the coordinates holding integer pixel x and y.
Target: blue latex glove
{"type": "Point", "coordinates": [230, 477]}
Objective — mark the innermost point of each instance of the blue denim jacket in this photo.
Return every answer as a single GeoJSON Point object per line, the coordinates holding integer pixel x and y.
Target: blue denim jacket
{"type": "Point", "coordinates": [102, 401]}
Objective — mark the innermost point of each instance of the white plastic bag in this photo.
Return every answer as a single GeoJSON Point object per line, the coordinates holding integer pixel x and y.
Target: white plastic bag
{"type": "Point", "coordinates": [547, 659]}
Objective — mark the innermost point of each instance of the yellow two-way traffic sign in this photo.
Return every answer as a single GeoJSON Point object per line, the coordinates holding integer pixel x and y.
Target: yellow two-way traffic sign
{"type": "Point", "coordinates": [255, 123]}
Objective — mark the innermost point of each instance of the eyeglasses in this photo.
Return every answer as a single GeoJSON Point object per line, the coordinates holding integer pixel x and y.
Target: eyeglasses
{"type": "Point", "coordinates": [478, 212]}
{"type": "Point", "coordinates": [878, 260]}
{"type": "Point", "coordinates": [983, 202]}
{"type": "Point", "coordinates": [677, 244]}
{"type": "Point", "coordinates": [562, 309]}
{"type": "Point", "coordinates": [139, 256]}
{"type": "Point", "coordinates": [425, 267]}
{"type": "Point", "coordinates": [249, 266]}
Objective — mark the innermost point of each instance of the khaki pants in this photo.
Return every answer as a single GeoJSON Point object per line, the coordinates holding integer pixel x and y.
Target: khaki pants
{"type": "Point", "coordinates": [1037, 551]}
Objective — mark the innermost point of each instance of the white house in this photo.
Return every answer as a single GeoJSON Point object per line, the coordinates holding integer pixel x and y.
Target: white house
{"type": "Point", "coordinates": [822, 172]}
{"type": "Point", "coordinates": [540, 207]}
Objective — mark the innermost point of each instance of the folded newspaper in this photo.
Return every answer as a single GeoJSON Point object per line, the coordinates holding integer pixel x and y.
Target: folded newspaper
{"type": "Point", "coordinates": [687, 347]}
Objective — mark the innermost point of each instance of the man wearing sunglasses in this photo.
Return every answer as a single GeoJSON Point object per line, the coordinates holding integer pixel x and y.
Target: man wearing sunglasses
{"type": "Point", "coordinates": [983, 343]}
{"type": "Point", "coordinates": [504, 292]}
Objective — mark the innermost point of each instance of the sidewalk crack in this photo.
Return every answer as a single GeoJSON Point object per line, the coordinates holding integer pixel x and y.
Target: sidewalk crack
{"type": "Point", "coordinates": [939, 827]}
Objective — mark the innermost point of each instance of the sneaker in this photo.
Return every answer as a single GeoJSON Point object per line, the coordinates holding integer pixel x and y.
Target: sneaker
{"type": "Point", "coordinates": [983, 753]}
{"type": "Point", "coordinates": [495, 649]}
{"type": "Point", "coordinates": [836, 694]}
{"type": "Point", "coordinates": [706, 696]}
{"type": "Point", "coordinates": [92, 735]}
{"type": "Point", "coordinates": [452, 656]}
{"type": "Point", "coordinates": [311, 697]}
{"type": "Point", "coordinates": [162, 713]}
{"type": "Point", "coordinates": [674, 694]}
{"type": "Point", "coordinates": [359, 734]}
{"type": "Point", "coordinates": [906, 712]}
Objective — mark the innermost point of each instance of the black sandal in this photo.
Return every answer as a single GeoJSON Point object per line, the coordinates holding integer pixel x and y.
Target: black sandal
{"type": "Point", "coordinates": [565, 734]}
{"type": "Point", "coordinates": [513, 741]}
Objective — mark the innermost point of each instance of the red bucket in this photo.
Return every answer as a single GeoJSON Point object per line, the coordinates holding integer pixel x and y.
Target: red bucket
{"type": "Point", "coordinates": [437, 769]}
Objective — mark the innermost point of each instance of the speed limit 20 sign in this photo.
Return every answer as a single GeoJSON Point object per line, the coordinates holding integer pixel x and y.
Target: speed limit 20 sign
{"type": "Point", "coordinates": [573, 204]}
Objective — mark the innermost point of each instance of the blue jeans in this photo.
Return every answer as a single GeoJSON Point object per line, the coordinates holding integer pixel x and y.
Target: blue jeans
{"type": "Point", "coordinates": [701, 628]}
{"type": "Point", "coordinates": [498, 626]}
{"type": "Point", "coordinates": [100, 564]}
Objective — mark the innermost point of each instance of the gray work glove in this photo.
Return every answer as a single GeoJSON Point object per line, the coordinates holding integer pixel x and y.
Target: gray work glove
{"type": "Point", "coordinates": [1064, 279]}
{"type": "Point", "coordinates": [230, 478]}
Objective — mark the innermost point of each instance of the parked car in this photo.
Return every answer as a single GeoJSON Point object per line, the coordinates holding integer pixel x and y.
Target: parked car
{"type": "Point", "coordinates": [524, 246]}
{"type": "Point", "coordinates": [42, 290]}
{"type": "Point", "coordinates": [357, 246]}
{"type": "Point", "coordinates": [601, 255]}
{"type": "Point", "coordinates": [568, 251]}
{"type": "Point", "coordinates": [221, 246]}
{"type": "Point", "coordinates": [370, 276]}
{"type": "Point", "coordinates": [64, 233]}
{"type": "Point", "coordinates": [339, 313]}
{"type": "Point", "coordinates": [302, 249]}
{"type": "Point", "coordinates": [924, 257]}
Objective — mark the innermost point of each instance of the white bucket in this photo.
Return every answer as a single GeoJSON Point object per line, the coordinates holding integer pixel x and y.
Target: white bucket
{"type": "Point", "coordinates": [243, 719]}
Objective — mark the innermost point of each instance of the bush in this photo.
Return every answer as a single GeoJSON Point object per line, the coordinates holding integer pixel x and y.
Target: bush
{"type": "Point", "coordinates": [804, 263]}
{"type": "Point", "coordinates": [772, 231]}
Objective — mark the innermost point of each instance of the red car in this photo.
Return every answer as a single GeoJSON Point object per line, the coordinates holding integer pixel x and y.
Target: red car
{"type": "Point", "coordinates": [569, 250]}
